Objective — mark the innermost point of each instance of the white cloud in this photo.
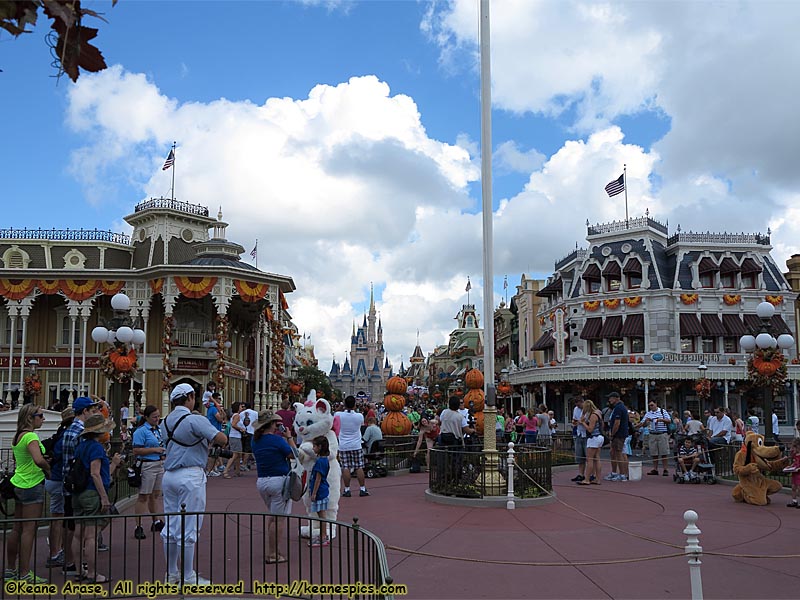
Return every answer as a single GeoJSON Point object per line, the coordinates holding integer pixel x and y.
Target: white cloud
{"type": "Point", "coordinates": [508, 157]}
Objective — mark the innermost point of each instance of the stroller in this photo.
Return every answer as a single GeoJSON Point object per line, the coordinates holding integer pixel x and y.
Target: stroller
{"type": "Point", "coordinates": [374, 461]}
{"type": "Point", "coordinates": [705, 471]}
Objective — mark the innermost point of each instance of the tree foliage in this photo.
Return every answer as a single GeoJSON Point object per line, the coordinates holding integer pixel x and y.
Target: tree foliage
{"type": "Point", "coordinates": [69, 39]}
{"type": "Point", "coordinates": [313, 378]}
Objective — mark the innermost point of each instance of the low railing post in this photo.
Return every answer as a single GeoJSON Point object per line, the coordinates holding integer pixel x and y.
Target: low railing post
{"type": "Point", "coordinates": [694, 550]}
{"type": "Point", "coordinates": [183, 540]}
{"type": "Point", "coordinates": [356, 534]}
{"type": "Point", "coordinates": [510, 503]}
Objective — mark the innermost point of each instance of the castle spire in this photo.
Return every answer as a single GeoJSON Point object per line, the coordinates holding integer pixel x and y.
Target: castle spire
{"type": "Point", "coordinates": [371, 298]}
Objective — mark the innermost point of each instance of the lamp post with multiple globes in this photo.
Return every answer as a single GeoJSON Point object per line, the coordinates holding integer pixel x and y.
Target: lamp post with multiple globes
{"type": "Point", "coordinates": [761, 342]}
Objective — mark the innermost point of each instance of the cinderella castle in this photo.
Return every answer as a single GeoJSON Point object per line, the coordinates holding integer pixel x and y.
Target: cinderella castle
{"type": "Point", "coordinates": [365, 372]}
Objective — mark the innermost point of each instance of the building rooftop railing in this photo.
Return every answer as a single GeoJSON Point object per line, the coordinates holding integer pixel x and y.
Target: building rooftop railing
{"type": "Point", "coordinates": [184, 207]}
{"type": "Point", "coordinates": [578, 253]}
{"type": "Point", "coordinates": [637, 223]}
{"type": "Point", "coordinates": [718, 238]}
{"type": "Point", "coordinates": [92, 235]}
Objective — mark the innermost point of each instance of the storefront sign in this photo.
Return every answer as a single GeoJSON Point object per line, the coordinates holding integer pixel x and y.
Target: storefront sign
{"type": "Point", "coordinates": [235, 371]}
{"type": "Point", "coordinates": [188, 365]}
{"type": "Point", "coordinates": [679, 357]}
{"type": "Point", "coordinates": [53, 362]}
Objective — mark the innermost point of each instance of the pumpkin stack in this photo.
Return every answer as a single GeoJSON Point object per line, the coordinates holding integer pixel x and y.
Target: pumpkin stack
{"type": "Point", "coordinates": [395, 422]}
{"type": "Point", "coordinates": [474, 380]}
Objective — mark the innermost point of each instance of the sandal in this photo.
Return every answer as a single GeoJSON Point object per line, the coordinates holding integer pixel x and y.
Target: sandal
{"type": "Point", "coordinates": [227, 476]}
{"type": "Point", "coordinates": [582, 483]}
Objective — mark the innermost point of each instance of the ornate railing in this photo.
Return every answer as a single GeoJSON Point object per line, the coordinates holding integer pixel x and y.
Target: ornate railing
{"type": "Point", "coordinates": [719, 238]}
{"type": "Point", "coordinates": [184, 207]}
{"type": "Point", "coordinates": [90, 235]}
{"type": "Point", "coordinates": [723, 456]}
{"type": "Point", "coordinates": [578, 253]}
{"type": "Point", "coordinates": [636, 223]}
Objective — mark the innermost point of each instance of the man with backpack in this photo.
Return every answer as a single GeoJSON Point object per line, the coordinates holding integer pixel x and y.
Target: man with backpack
{"type": "Point", "coordinates": [54, 486]}
{"type": "Point", "coordinates": [658, 420]}
{"type": "Point", "coordinates": [83, 408]}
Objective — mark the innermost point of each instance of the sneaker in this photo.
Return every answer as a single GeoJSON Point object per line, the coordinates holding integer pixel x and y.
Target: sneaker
{"type": "Point", "coordinates": [622, 478]}
{"type": "Point", "coordinates": [363, 493]}
{"type": "Point", "coordinates": [195, 579]}
{"type": "Point", "coordinates": [139, 533]}
{"type": "Point", "coordinates": [172, 578]}
{"type": "Point", "coordinates": [157, 525]}
{"type": "Point", "coordinates": [793, 504]}
{"type": "Point", "coordinates": [101, 547]}
{"type": "Point", "coordinates": [578, 478]}
{"type": "Point", "coordinates": [10, 574]}
{"type": "Point", "coordinates": [687, 477]}
{"type": "Point", "coordinates": [29, 577]}
{"type": "Point", "coordinates": [55, 561]}
{"type": "Point", "coordinates": [70, 568]}
{"type": "Point", "coordinates": [665, 473]}
{"type": "Point", "coordinates": [214, 473]}
{"type": "Point", "coordinates": [611, 477]}
{"type": "Point", "coordinates": [221, 468]}
{"type": "Point", "coordinates": [346, 494]}
{"type": "Point", "coordinates": [592, 479]}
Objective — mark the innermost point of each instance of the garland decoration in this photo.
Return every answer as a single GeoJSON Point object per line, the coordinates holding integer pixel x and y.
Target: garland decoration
{"type": "Point", "coordinates": [79, 289]}
{"type": "Point", "coordinates": [633, 301]}
{"type": "Point", "coordinates": [689, 298]}
{"type": "Point", "coordinates": [32, 386]}
{"type": "Point", "coordinates": [591, 305]}
{"type": "Point", "coordinates": [16, 289]}
{"type": "Point", "coordinates": [166, 349]}
{"type": "Point", "coordinates": [195, 287]}
{"type": "Point", "coordinates": [767, 368]}
{"type": "Point", "coordinates": [250, 292]}
{"type": "Point", "coordinates": [703, 388]}
{"type": "Point", "coordinates": [732, 299]}
{"type": "Point", "coordinates": [278, 359]}
{"type": "Point", "coordinates": [611, 303]}
{"type": "Point", "coordinates": [222, 337]}
{"type": "Point", "coordinates": [774, 300]}
{"type": "Point", "coordinates": [48, 286]}
{"type": "Point", "coordinates": [119, 363]}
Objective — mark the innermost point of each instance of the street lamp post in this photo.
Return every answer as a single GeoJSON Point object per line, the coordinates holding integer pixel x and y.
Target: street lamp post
{"type": "Point", "coordinates": [763, 340]}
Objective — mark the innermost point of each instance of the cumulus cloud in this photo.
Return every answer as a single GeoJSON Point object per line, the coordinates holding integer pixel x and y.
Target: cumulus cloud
{"type": "Point", "coordinates": [509, 158]}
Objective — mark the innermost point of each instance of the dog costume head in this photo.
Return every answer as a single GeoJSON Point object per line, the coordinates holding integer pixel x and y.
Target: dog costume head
{"type": "Point", "coordinates": [756, 452]}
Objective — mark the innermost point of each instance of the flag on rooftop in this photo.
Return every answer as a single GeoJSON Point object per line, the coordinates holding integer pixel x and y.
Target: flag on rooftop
{"type": "Point", "coordinates": [505, 282]}
{"type": "Point", "coordinates": [254, 251]}
{"type": "Point", "coordinates": [616, 187]}
{"type": "Point", "coordinates": [170, 160]}
{"type": "Point", "coordinates": [469, 285]}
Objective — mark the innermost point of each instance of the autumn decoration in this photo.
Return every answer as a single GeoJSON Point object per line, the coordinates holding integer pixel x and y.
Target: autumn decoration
{"type": "Point", "coordinates": [395, 422]}
{"type": "Point", "coordinates": [774, 300]}
{"type": "Point", "coordinates": [250, 292]}
{"type": "Point", "coordinates": [504, 388]}
{"type": "Point", "coordinates": [396, 385]}
{"type": "Point", "coordinates": [31, 386]}
{"type": "Point", "coordinates": [475, 399]}
{"type": "Point", "coordinates": [633, 301]}
{"type": "Point", "coordinates": [166, 349]}
{"type": "Point", "coordinates": [703, 388]}
{"type": "Point", "coordinates": [689, 298]}
{"type": "Point", "coordinates": [195, 287]}
{"type": "Point", "coordinates": [731, 361]}
{"type": "Point", "coordinates": [611, 303]}
{"type": "Point", "coordinates": [118, 363]}
{"type": "Point", "coordinates": [277, 358]}
{"type": "Point", "coordinates": [16, 289]}
{"type": "Point", "coordinates": [222, 337]}
{"type": "Point", "coordinates": [591, 305]}
{"type": "Point", "coordinates": [731, 299]}
{"type": "Point", "coordinates": [767, 368]}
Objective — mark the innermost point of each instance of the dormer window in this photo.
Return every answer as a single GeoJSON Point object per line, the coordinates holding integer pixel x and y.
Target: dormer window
{"type": "Point", "coordinates": [633, 274]}
{"type": "Point", "coordinates": [592, 278]}
{"type": "Point", "coordinates": [16, 258]}
{"type": "Point", "coordinates": [727, 272]}
{"type": "Point", "coordinates": [707, 271]}
{"type": "Point", "coordinates": [612, 273]}
{"type": "Point", "coordinates": [750, 271]}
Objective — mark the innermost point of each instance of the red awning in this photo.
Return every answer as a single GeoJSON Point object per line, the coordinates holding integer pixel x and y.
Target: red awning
{"type": "Point", "coordinates": [612, 270]}
{"type": "Point", "coordinates": [779, 326]}
{"type": "Point", "coordinates": [707, 265]}
{"type": "Point", "coordinates": [633, 326]}
{"type": "Point", "coordinates": [690, 325]}
{"type": "Point", "coordinates": [733, 325]}
{"type": "Point", "coordinates": [632, 266]}
{"type": "Point", "coordinates": [591, 329]}
{"type": "Point", "coordinates": [544, 342]}
{"type": "Point", "coordinates": [749, 266]}
{"type": "Point", "coordinates": [712, 326]}
{"type": "Point", "coordinates": [592, 272]}
{"type": "Point", "coordinates": [728, 266]}
{"type": "Point", "coordinates": [612, 328]}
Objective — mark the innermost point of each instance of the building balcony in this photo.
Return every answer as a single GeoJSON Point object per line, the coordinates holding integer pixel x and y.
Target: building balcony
{"type": "Point", "coordinates": [87, 235]}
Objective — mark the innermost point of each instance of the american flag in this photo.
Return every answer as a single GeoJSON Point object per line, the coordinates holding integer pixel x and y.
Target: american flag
{"type": "Point", "coordinates": [170, 160]}
{"type": "Point", "coordinates": [616, 187]}
{"type": "Point", "coordinates": [505, 282]}
{"type": "Point", "coordinates": [469, 285]}
{"type": "Point", "coordinates": [254, 251]}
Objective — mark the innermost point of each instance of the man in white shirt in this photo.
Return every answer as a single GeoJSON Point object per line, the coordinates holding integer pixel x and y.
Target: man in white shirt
{"type": "Point", "coordinates": [579, 440]}
{"type": "Point", "coordinates": [351, 455]}
{"type": "Point", "coordinates": [776, 429]}
{"type": "Point", "coordinates": [249, 418]}
{"type": "Point", "coordinates": [720, 427]}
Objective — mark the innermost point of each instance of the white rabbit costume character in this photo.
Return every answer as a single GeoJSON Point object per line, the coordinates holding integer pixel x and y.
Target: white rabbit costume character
{"type": "Point", "coordinates": [315, 419]}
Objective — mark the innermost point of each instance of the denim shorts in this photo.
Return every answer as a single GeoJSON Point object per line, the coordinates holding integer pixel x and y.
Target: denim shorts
{"type": "Point", "coordinates": [55, 489]}
{"type": "Point", "coordinates": [33, 495]}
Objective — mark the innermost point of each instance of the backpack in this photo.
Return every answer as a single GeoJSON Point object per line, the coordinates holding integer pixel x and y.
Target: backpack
{"type": "Point", "coordinates": [246, 420]}
{"type": "Point", "coordinates": [76, 477]}
{"type": "Point", "coordinates": [50, 443]}
{"type": "Point", "coordinates": [671, 427]}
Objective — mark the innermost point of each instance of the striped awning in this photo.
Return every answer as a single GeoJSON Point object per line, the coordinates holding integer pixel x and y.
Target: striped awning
{"type": "Point", "coordinates": [592, 328]}
{"type": "Point", "coordinates": [752, 323]}
{"type": "Point", "coordinates": [733, 325]}
{"type": "Point", "coordinates": [633, 326]}
{"type": "Point", "coordinates": [552, 289]}
{"type": "Point", "coordinates": [728, 266]}
{"type": "Point", "coordinates": [779, 326]}
{"type": "Point", "coordinates": [749, 266]}
{"type": "Point", "coordinates": [707, 265]}
{"type": "Point", "coordinates": [633, 266]}
{"type": "Point", "coordinates": [612, 270]}
{"type": "Point", "coordinates": [712, 325]}
{"type": "Point", "coordinates": [544, 342]}
{"type": "Point", "coordinates": [690, 325]}
{"type": "Point", "coordinates": [592, 272]}
{"type": "Point", "coordinates": [612, 328]}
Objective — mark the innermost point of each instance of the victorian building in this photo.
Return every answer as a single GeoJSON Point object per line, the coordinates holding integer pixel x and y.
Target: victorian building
{"type": "Point", "coordinates": [206, 314]}
{"type": "Point", "coordinates": [463, 351]}
{"type": "Point", "coordinates": [639, 310]}
{"type": "Point", "coordinates": [366, 369]}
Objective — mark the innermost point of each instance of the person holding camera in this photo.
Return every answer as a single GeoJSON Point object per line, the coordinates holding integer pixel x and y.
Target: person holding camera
{"type": "Point", "coordinates": [187, 437]}
{"type": "Point", "coordinates": [94, 499]}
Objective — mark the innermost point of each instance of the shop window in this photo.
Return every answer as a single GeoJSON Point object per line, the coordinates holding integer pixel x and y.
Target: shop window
{"type": "Point", "coordinates": [596, 347]}
{"type": "Point", "coordinates": [730, 345]}
{"type": "Point", "coordinates": [7, 334]}
{"type": "Point", "coordinates": [750, 281]}
{"type": "Point", "coordinates": [728, 280]}
{"type": "Point", "coordinates": [707, 280]}
{"type": "Point", "coordinates": [65, 327]}
{"type": "Point", "coordinates": [616, 346]}
{"type": "Point", "coordinates": [592, 286]}
{"type": "Point", "coordinates": [634, 281]}
{"type": "Point", "coordinates": [709, 345]}
{"type": "Point", "coordinates": [637, 345]}
{"type": "Point", "coordinates": [687, 344]}
{"type": "Point", "coordinates": [613, 285]}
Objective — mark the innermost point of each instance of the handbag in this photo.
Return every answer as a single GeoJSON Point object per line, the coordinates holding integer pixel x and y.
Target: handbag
{"type": "Point", "coordinates": [293, 488]}
{"type": "Point", "coordinates": [135, 474]}
{"type": "Point", "coordinates": [6, 487]}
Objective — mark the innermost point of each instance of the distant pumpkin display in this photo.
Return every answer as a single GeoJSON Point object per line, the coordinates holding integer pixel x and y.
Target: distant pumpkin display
{"type": "Point", "coordinates": [396, 385]}
{"type": "Point", "coordinates": [476, 397]}
{"type": "Point", "coordinates": [395, 422]}
{"type": "Point", "coordinates": [394, 402]}
{"type": "Point", "coordinates": [474, 379]}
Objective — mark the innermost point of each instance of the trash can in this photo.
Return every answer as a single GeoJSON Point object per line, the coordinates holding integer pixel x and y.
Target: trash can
{"type": "Point", "coordinates": [635, 471]}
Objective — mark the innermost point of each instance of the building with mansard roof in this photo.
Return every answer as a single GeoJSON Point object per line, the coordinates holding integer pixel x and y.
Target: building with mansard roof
{"type": "Point", "coordinates": [448, 363]}
{"type": "Point", "coordinates": [206, 314]}
{"type": "Point", "coordinates": [366, 369]}
{"type": "Point", "coordinates": [639, 310]}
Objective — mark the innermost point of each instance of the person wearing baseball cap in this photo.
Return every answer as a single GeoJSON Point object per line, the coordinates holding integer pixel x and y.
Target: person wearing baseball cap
{"type": "Point", "coordinates": [187, 437]}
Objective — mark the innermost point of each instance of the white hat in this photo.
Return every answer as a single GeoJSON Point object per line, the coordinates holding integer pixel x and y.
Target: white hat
{"type": "Point", "coordinates": [182, 389]}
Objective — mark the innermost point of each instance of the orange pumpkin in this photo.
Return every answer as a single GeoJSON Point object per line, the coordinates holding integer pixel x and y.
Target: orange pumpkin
{"type": "Point", "coordinates": [504, 388]}
{"type": "Point", "coordinates": [458, 393]}
{"type": "Point", "coordinates": [394, 402]}
{"type": "Point", "coordinates": [396, 385]}
{"type": "Point", "coordinates": [295, 387]}
{"type": "Point", "coordinates": [105, 437]}
{"type": "Point", "coordinates": [479, 423]}
{"type": "Point", "coordinates": [395, 423]}
{"type": "Point", "coordinates": [476, 397]}
{"type": "Point", "coordinates": [474, 379]}
{"type": "Point", "coordinates": [767, 368]}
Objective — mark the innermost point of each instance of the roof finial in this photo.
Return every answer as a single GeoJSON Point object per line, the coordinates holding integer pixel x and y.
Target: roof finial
{"type": "Point", "coordinates": [219, 214]}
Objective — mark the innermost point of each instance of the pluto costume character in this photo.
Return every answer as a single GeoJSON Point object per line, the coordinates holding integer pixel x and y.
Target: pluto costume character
{"type": "Point", "coordinates": [750, 464]}
{"type": "Point", "coordinates": [313, 419]}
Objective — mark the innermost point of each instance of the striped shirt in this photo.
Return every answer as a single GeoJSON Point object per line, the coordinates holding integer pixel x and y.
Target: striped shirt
{"type": "Point", "coordinates": [657, 426]}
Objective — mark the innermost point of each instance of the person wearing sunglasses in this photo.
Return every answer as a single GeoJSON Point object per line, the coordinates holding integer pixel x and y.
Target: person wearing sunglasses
{"type": "Point", "coordinates": [28, 480]}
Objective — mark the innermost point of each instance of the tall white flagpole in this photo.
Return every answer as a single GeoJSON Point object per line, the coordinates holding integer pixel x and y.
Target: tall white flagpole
{"type": "Point", "coordinates": [625, 185]}
{"type": "Point", "coordinates": [173, 170]}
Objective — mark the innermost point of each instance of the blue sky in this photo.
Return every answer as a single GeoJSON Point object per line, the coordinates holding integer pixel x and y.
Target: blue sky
{"type": "Point", "coordinates": [348, 140]}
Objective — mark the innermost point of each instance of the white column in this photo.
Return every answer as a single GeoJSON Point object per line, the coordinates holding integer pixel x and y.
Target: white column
{"type": "Point", "coordinates": [73, 318]}
{"type": "Point", "coordinates": [544, 393]}
{"type": "Point", "coordinates": [13, 329]}
{"type": "Point", "coordinates": [257, 353]}
{"type": "Point", "coordinates": [725, 401]}
{"type": "Point", "coordinates": [84, 326]}
{"type": "Point", "coordinates": [144, 361]}
{"type": "Point", "coordinates": [794, 400]}
{"type": "Point", "coordinates": [265, 385]}
{"type": "Point", "coordinates": [647, 394]}
{"type": "Point", "coordinates": [22, 353]}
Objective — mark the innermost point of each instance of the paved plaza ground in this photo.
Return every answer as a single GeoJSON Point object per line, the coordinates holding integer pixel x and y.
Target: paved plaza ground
{"type": "Point", "coordinates": [611, 522]}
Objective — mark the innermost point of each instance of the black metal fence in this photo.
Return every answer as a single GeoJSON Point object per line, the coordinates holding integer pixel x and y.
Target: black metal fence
{"type": "Point", "coordinates": [723, 457]}
{"type": "Point", "coordinates": [232, 551]}
{"type": "Point", "coordinates": [468, 474]}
